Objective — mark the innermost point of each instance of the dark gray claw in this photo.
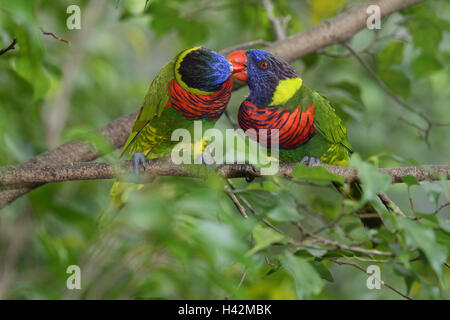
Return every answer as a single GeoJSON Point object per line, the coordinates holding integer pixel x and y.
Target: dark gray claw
{"type": "Point", "coordinates": [310, 161]}
{"type": "Point", "coordinates": [138, 158]}
{"type": "Point", "coordinates": [246, 169]}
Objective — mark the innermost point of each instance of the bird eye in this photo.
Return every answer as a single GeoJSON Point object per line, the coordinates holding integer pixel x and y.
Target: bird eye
{"type": "Point", "coordinates": [264, 65]}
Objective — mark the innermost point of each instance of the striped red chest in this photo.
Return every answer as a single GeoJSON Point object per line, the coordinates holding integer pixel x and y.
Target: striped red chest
{"type": "Point", "coordinates": [196, 107]}
{"type": "Point", "coordinates": [295, 127]}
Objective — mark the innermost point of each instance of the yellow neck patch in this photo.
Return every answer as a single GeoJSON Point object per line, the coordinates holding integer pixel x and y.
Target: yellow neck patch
{"type": "Point", "coordinates": [285, 90]}
{"type": "Point", "coordinates": [178, 61]}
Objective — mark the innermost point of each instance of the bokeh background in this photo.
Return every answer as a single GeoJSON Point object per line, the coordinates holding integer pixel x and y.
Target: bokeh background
{"type": "Point", "coordinates": [183, 238]}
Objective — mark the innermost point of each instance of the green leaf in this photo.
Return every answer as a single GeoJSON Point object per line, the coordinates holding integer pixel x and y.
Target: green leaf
{"type": "Point", "coordinates": [410, 180]}
{"type": "Point", "coordinates": [166, 18]}
{"type": "Point", "coordinates": [392, 54]}
{"type": "Point", "coordinates": [286, 209]}
{"type": "Point", "coordinates": [425, 33]}
{"type": "Point", "coordinates": [435, 220]}
{"type": "Point", "coordinates": [322, 270]}
{"type": "Point", "coordinates": [306, 279]}
{"type": "Point", "coordinates": [319, 175]}
{"type": "Point", "coordinates": [422, 237]}
{"type": "Point", "coordinates": [318, 253]}
{"type": "Point", "coordinates": [351, 88]}
{"type": "Point", "coordinates": [425, 64]}
{"type": "Point", "coordinates": [396, 81]}
{"type": "Point", "coordinates": [329, 208]}
{"type": "Point", "coordinates": [372, 180]}
{"type": "Point", "coordinates": [29, 63]}
{"type": "Point", "coordinates": [261, 198]}
{"type": "Point", "coordinates": [407, 276]}
{"type": "Point", "coordinates": [433, 191]}
{"type": "Point", "coordinates": [310, 60]}
{"type": "Point", "coordinates": [264, 237]}
{"type": "Point", "coordinates": [443, 238]}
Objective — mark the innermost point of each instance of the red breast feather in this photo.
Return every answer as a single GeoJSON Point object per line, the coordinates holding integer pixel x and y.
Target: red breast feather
{"type": "Point", "coordinates": [295, 127]}
{"type": "Point", "coordinates": [196, 107]}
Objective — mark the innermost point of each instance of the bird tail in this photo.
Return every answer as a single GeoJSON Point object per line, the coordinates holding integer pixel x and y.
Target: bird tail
{"type": "Point", "coordinates": [119, 194]}
{"type": "Point", "coordinates": [367, 214]}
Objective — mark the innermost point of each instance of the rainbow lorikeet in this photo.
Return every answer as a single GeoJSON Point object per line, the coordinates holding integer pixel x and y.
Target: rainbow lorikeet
{"type": "Point", "coordinates": [310, 131]}
{"type": "Point", "coordinates": [195, 85]}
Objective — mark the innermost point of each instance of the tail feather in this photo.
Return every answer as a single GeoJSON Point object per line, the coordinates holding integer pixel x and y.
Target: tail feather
{"type": "Point", "coordinates": [119, 194]}
{"type": "Point", "coordinates": [368, 214]}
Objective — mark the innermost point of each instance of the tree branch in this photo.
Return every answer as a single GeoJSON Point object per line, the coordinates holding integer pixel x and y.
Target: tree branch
{"type": "Point", "coordinates": [116, 133]}
{"type": "Point", "coordinates": [278, 30]}
{"type": "Point", "coordinates": [333, 31]}
{"type": "Point", "coordinates": [236, 202]}
{"type": "Point", "coordinates": [39, 173]}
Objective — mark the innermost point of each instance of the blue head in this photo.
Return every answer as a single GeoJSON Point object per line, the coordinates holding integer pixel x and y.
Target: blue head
{"type": "Point", "coordinates": [264, 71]}
{"type": "Point", "coordinates": [203, 69]}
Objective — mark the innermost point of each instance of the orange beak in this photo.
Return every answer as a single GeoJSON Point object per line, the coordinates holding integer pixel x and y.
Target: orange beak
{"type": "Point", "coordinates": [239, 62]}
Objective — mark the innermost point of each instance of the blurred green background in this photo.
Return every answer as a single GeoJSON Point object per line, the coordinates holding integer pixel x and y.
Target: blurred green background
{"type": "Point", "coordinates": [183, 238]}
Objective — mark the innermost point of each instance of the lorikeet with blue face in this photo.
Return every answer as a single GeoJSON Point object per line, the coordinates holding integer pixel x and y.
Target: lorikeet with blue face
{"type": "Point", "coordinates": [310, 131]}
{"type": "Point", "coordinates": [309, 128]}
{"type": "Point", "coordinates": [195, 85]}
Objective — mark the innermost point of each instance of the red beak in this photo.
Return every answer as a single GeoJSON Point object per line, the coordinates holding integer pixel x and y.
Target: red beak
{"type": "Point", "coordinates": [239, 61]}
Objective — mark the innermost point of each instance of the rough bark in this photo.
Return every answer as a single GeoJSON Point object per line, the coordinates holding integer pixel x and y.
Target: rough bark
{"type": "Point", "coordinates": [31, 174]}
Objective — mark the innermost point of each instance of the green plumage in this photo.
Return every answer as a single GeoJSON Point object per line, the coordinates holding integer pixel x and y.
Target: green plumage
{"type": "Point", "coordinates": [156, 121]}
{"type": "Point", "coordinates": [307, 123]}
{"type": "Point", "coordinates": [329, 143]}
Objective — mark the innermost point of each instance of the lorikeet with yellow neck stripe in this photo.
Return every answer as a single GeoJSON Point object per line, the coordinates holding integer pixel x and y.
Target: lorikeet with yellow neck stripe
{"type": "Point", "coordinates": [310, 131]}
{"type": "Point", "coordinates": [195, 85]}
{"type": "Point", "coordinates": [309, 128]}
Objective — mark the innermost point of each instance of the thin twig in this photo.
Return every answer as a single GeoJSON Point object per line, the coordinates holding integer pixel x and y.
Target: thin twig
{"type": "Point", "coordinates": [239, 285]}
{"type": "Point", "coordinates": [357, 266]}
{"type": "Point", "coordinates": [55, 36]}
{"type": "Point", "coordinates": [236, 202]}
{"type": "Point", "coordinates": [252, 210]}
{"type": "Point", "coordinates": [440, 208]}
{"type": "Point", "coordinates": [10, 47]}
{"type": "Point", "coordinates": [330, 225]}
{"type": "Point", "coordinates": [390, 205]}
{"type": "Point", "coordinates": [338, 245]}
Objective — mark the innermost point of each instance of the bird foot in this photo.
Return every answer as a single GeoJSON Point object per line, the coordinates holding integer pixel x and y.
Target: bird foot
{"type": "Point", "coordinates": [248, 171]}
{"type": "Point", "coordinates": [138, 158]}
{"type": "Point", "coordinates": [310, 161]}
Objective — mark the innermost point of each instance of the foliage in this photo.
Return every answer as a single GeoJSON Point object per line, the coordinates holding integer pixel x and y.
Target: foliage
{"type": "Point", "coordinates": [184, 238]}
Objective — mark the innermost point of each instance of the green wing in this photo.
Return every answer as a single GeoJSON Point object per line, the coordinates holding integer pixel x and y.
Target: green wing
{"type": "Point", "coordinates": [326, 121]}
{"type": "Point", "coordinates": [154, 103]}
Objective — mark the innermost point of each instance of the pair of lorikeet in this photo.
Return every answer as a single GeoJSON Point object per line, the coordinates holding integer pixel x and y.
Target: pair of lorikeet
{"type": "Point", "coordinates": [197, 85]}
